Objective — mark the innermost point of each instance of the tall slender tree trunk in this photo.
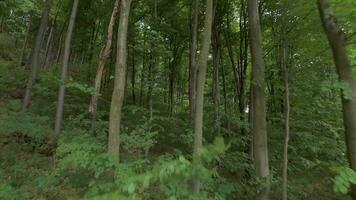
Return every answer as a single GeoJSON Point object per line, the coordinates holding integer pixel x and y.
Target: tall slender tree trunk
{"type": "Point", "coordinates": [48, 44]}
{"type": "Point", "coordinates": [59, 50]}
{"type": "Point", "coordinates": [242, 64]}
{"type": "Point", "coordinates": [2, 25]}
{"type": "Point", "coordinates": [286, 137]}
{"type": "Point", "coordinates": [152, 76]}
{"type": "Point", "coordinates": [119, 83]}
{"type": "Point", "coordinates": [284, 63]}
{"type": "Point", "coordinates": [259, 105]}
{"type": "Point", "coordinates": [104, 55]}
{"type": "Point", "coordinates": [143, 72]}
{"type": "Point", "coordinates": [216, 29]}
{"type": "Point", "coordinates": [91, 45]}
{"type": "Point", "coordinates": [23, 51]}
{"type": "Point", "coordinates": [142, 82]}
{"type": "Point", "coordinates": [193, 57]}
{"type": "Point", "coordinates": [172, 74]}
{"type": "Point", "coordinates": [67, 46]}
{"type": "Point", "coordinates": [133, 79]}
{"type": "Point", "coordinates": [227, 113]}
{"type": "Point", "coordinates": [166, 82]}
{"type": "Point", "coordinates": [250, 119]}
{"type": "Point", "coordinates": [337, 41]}
{"type": "Point", "coordinates": [35, 55]}
{"type": "Point", "coordinates": [200, 83]}
{"type": "Point", "coordinates": [150, 86]}
{"type": "Point", "coordinates": [230, 52]}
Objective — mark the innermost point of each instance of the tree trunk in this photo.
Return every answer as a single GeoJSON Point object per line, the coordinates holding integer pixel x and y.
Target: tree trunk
{"type": "Point", "coordinates": [242, 65]}
{"type": "Point", "coordinates": [286, 139]}
{"type": "Point", "coordinates": [67, 46]}
{"type": "Point", "coordinates": [35, 55]}
{"type": "Point", "coordinates": [119, 83]}
{"type": "Point", "coordinates": [231, 54]}
{"type": "Point", "coordinates": [200, 83]}
{"type": "Point", "coordinates": [48, 44]}
{"type": "Point", "coordinates": [284, 63]}
{"type": "Point", "coordinates": [250, 119]}
{"type": "Point", "coordinates": [59, 50]}
{"type": "Point", "coordinates": [23, 51]}
{"type": "Point", "coordinates": [143, 73]}
{"type": "Point", "coordinates": [91, 45]}
{"type": "Point", "coordinates": [104, 55]}
{"type": "Point", "coordinates": [151, 84]}
{"type": "Point", "coordinates": [259, 105]}
{"type": "Point", "coordinates": [193, 57]}
{"type": "Point", "coordinates": [133, 79]}
{"type": "Point", "coordinates": [172, 74]}
{"type": "Point", "coordinates": [227, 113]}
{"type": "Point", "coordinates": [216, 65]}
{"type": "Point", "coordinates": [337, 41]}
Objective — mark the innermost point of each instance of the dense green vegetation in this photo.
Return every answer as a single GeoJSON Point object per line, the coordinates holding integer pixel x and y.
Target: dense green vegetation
{"type": "Point", "coordinates": [207, 99]}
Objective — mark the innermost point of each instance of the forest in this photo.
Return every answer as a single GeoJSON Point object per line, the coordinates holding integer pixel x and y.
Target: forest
{"type": "Point", "coordinates": [177, 99]}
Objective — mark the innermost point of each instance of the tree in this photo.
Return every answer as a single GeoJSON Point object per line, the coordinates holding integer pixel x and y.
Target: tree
{"type": "Point", "coordinates": [216, 46]}
{"type": "Point", "coordinates": [192, 57]}
{"type": "Point", "coordinates": [67, 46]}
{"type": "Point", "coordinates": [23, 51]}
{"type": "Point", "coordinates": [284, 63]}
{"type": "Point", "coordinates": [119, 82]}
{"type": "Point", "coordinates": [260, 148]}
{"type": "Point", "coordinates": [296, 95]}
{"type": "Point", "coordinates": [104, 55]}
{"type": "Point", "coordinates": [35, 54]}
{"type": "Point", "coordinates": [200, 83]}
{"type": "Point", "coordinates": [242, 64]}
{"type": "Point", "coordinates": [337, 40]}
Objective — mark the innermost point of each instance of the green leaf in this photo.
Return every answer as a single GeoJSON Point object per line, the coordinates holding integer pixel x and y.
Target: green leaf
{"type": "Point", "coordinates": [131, 189]}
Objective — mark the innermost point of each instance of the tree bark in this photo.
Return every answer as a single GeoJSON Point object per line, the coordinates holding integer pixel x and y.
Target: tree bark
{"type": "Point", "coordinates": [284, 63]}
{"type": "Point", "coordinates": [337, 41]}
{"type": "Point", "coordinates": [200, 83]}
{"type": "Point", "coordinates": [286, 139]}
{"type": "Point", "coordinates": [230, 52]}
{"type": "Point", "coordinates": [242, 65]}
{"type": "Point", "coordinates": [151, 83]}
{"type": "Point", "coordinates": [142, 82]}
{"type": "Point", "coordinates": [193, 57]}
{"type": "Point", "coordinates": [227, 113]}
{"type": "Point", "coordinates": [48, 44]}
{"type": "Point", "coordinates": [35, 55]}
{"type": "Point", "coordinates": [59, 50]}
{"type": "Point", "coordinates": [23, 51]}
{"type": "Point", "coordinates": [67, 46]}
{"type": "Point", "coordinates": [119, 83]}
{"type": "Point", "coordinates": [143, 73]}
{"type": "Point", "coordinates": [174, 75]}
{"type": "Point", "coordinates": [216, 30]}
{"type": "Point", "coordinates": [104, 55]}
{"type": "Point", "coordinates": [133, 79]}
{"type": "Point", "coordinates": [259, 104]}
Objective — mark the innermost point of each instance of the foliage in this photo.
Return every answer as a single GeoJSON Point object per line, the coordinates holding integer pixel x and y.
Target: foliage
{"type": "Point", "coordinates": [157, 133]}
{"type": "Point", "coordinates": [79, 162]}
{"type": "Point", "coordinates": [344, 178]}
{"type": "Point", "coordinates": [141, 139]}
